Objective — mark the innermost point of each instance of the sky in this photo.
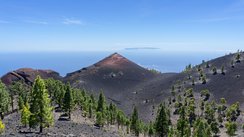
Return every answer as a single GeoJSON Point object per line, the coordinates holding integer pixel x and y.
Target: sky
{"type": "Point", "coordinates": [98, 25]}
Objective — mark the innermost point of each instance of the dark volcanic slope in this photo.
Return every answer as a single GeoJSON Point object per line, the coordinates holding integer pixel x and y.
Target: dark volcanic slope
{"type": "Point", "coordinates": [229, 85]}
{"type": "Point", "coordinates": [121, 81]}
{"type": "Point", "coordinates": [115, 75]}
{"type": "Point", "coordinates": [28, 75]}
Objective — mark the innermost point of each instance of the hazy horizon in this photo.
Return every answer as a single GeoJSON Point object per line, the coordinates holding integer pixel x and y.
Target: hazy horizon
{"type": "Point", "coordinates": [66, 62]}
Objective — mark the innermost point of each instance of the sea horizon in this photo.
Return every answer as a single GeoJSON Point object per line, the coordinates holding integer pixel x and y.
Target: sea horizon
{"type": "Point", "coordinates": [65, 62]}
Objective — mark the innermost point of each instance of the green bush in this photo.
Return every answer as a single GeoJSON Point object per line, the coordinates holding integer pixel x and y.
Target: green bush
{"type": "Point", "coordinates": [2, 127]}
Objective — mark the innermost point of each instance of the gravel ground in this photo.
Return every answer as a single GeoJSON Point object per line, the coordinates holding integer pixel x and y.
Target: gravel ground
{"type": "Point", "coordinates": [78, 127]}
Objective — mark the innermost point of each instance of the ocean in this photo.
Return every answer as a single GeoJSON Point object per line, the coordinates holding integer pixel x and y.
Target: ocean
{"type": "Point", "coordinates": [66, 62]}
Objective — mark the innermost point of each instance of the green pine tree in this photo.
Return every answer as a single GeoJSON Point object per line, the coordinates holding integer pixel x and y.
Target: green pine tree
{"type": "Point", "coordinates": [90, 111]}
{"type": "Point", "coordinates": [25, 114]}
{"type": "Point", "coordinates": [4, 100]}
{"type": "Point", "coordinates": [112, 113]}
{"type": "Point", "coordinates": [231, 128]}
{"type": "Point", "coordinates": [215, 127]}
{"type": "Point", "coordinates": [151, 130]}
{"type": "Point", "coordinates": [209, 113]}
{"type": "Point", "coordinates": [162, 122]}
{"type": "Point", "coordinates": [40, 106]}
{"type": "Point", "coordinates": [238, 57]}
{"type": "Point", "coordinates": [127, 123]}
{"type": "Point", "coordinates": [135, 121]}
{"type": "Point", "coordinates": [214, 70]}
{"type": "Point", "coordinates": [171, 132]}
{"type": "Point", "coordinates": [201, 129]}
{"type": "Point", "coordinates": [183, 126]}
{"type": "Point", "coordinates": [68, 101]}
{"type": "Point", "coordinates": [100, 119]}
{"type": "Point", "coordinates": [101, 104]}
{"type": "Point", "coordinates": [204, 80]}
{"type": "Point", "coordinates": [20, 103]}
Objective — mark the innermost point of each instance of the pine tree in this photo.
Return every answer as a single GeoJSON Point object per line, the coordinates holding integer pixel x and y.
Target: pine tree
{"type": "Point", "coordinates": [233, 112]}
{"type": "Point", "coordinates": [209, 113]}
{"type": "Point", "coordinates": [183, 126]}
{"type": "Point", "coordinates": [112, 113]}
{"type": "Point", "coordinates": [127, 123]}
{"type": "Point", "coordinates": [40, 106]}
{"type": "Point", "coordinates": [151, 130]}
{"type": "Point", "coordinates": [99, 119]}
{"type": "Point", "coordinates": [2, 127]}
{"type": "Point", "coordinates": [206, 94]}
{"type": "Point", "coordinates": [162, 122]}
{"type": "Point", "coordinates": [171, 132]}
{"type": "Point", "coordinates": [145, 129]}
{"type": "Point", "coordinates": [20, 89]}
{"type": "Point", "coordinates": [13, 89]}
{"type": "Point", "coordinates": [20, 103]}
{"type": "Point", "coordinates": [68, 103]}
{"type": "Point", "coordinates": [59, 92]}
{"type": "Point", "coordinates": [85, 106]}
{"type": "Point", "coordinates": [134, 121]}
{"type": "Point", "coordinates": [238, 57]}
{"type": "Point", "coordinates": [215, 127]}
{"type": "Point", "coordinates": [191, 111]}
{"type": "Point", "coordinates": [4, 100]}
{"type": "Point", "coordinates": [101, 104]}
{"type": "Point", "coordinates": [200, 129]}
{"type": "Point", "coordinates": [120, 118]}
{"type": "Point", "coordinates": [25, 115]}
{"type": "Point", "coordinates": [90, 111]}
{"type": "Point", "coordinates": [203, 78]}
{"type": "Point", "coordinates": [223, 102]}
{"type": "Point", "coordinates": [231, 128]}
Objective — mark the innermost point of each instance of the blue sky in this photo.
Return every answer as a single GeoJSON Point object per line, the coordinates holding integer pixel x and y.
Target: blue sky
{"type": "Point", "coordinates": [80, 25]}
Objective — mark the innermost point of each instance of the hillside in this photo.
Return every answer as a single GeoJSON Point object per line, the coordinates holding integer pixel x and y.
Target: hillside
{"type": "Point", "coordinates": [228, 85]}
{"type": "Point", "coordinates": [137, 86]}
{"type": "Point", "coordinates": [114, 75]}
{"type": "Point", "coordinates": [28, 75]}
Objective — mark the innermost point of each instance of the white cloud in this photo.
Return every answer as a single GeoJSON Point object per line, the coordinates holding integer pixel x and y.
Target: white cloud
{"type": "Point", "coordinates": [37, 22]}
{"type": "Point", "coordinates": [68, 21]}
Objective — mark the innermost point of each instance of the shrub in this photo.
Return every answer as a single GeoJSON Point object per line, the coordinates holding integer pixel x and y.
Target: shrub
{"type": "Point", "coordinates": [223, 70]}
{"type": "Point", "coordinates": [204, 81]}
{"type": "Point", "coordinates": [2, 127]}
{"type": "Point", "coordinates": [214, 70]}
{"type": "Point", "coordinates": [231, 128]}
{"type": "Point", "coordinates": [206, 94]}
{"type": "Point", "coordinates": [238, 58]}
